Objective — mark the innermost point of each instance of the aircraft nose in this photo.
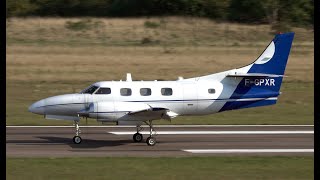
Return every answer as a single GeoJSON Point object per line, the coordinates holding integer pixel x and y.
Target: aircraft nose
{"type": "Point", "coordinates": [37, 107]}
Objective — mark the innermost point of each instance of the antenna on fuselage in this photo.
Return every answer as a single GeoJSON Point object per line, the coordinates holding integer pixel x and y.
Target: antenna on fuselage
{"type": "Point", "coordinates": [129, 78]}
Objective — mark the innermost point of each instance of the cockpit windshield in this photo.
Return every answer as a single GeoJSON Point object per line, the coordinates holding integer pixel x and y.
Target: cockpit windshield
{"type": "Point", "coordinates": [91, 89]}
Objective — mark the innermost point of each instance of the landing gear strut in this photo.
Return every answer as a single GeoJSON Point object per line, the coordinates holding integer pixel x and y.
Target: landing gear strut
{"type": "Point", "coordinates": [151, 141]}
{"type": "Point", "coordinates": [77, 139]}
{"type": "Point", "coordinates": [137, 137]}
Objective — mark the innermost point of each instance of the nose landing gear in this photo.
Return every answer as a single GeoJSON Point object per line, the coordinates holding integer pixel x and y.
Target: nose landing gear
{"type": "Point", "coordinates": [77, 139]}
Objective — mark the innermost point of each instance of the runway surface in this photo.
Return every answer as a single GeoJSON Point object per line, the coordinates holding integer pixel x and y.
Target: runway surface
{"type": "Point", "coordinates": [171, 141]}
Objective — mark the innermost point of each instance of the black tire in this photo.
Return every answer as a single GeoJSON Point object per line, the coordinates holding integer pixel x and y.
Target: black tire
{"type": "Point", "coordinates": [137, 137]}
{"type": "Point", "coordinates": [77, 139]}
{"type": "Point", "coordinates": [151, 141]}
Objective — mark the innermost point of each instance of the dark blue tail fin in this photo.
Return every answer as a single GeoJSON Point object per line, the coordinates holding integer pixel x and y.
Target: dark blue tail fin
{"type": "Point", "coordinates": [274, 59]}
{"type": "Point", "coordinates": [262, 79]}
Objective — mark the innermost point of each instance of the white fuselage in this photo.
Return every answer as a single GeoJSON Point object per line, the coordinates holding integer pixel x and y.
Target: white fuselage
{"type": "Point", "coordinates": [189, 97]}
{"type": "Point", "coordinates": [194, 96]}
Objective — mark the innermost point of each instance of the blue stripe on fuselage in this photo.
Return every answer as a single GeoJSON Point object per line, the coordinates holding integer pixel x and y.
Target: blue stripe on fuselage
{"type": "Point", "coordinates": [246, 104]}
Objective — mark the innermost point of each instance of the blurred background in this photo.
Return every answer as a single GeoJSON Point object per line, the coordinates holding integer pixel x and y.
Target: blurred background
{"type": "Point", "coordinates": [62, 46]}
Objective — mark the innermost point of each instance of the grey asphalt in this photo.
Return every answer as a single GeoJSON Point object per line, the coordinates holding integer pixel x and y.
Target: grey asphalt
{"type": "Point", "coordinates": [98, 141]}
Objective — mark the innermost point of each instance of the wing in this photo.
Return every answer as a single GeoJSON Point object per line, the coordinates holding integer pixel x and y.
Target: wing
{"type": "Point", "coordinates": [126, 111]}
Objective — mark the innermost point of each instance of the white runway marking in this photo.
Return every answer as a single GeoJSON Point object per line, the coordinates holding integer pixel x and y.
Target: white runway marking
{"type": "Point", "coordinates": [212, 132]}
{"type": "Point", "coordinates": [248, 150]}
{"type": "Point", "coordinates": [164, 126]}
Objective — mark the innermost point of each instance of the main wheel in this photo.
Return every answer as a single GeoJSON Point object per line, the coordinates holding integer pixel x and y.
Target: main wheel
{"type": "Point", "coordinates": [137, 137]}
{"type": "Point", "coordinates": [151, 141]}
{"type": "Point", "coordinates": [77, 139]}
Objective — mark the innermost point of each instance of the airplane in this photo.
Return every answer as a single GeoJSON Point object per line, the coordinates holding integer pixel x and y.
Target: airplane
{"type": "Point", "coordinates": [136, 102]}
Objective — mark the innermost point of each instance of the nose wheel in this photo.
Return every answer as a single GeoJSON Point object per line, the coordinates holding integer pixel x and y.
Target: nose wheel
{"type": "Point", "coordinates": [77, 139]}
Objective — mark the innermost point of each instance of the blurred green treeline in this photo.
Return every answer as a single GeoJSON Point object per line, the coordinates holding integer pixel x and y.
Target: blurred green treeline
{"type": "Point", "coordinates": [279, 13]}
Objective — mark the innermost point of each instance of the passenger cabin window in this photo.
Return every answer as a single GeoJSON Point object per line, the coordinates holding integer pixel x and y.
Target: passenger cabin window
{"type": "Point", "coordinates": [103, 91]}
{"type": "Point", "coordinates": [125, 92]}
{"type": "Point", "coordinates": [90, 90]}
{"type": "Point", "coordinates": [211, 91]}
{"type": "Point", "coordinates": [166, 91]}
{"type": "Point", "coordinates": [145, 91]}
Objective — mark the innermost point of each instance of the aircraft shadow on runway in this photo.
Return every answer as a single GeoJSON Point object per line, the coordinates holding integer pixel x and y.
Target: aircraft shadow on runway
{"type": "Point", "coordinates": [87, 143]}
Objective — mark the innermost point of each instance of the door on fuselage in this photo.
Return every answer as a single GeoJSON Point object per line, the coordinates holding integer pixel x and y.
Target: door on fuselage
{"type": "Point", "coordinates": [190, 98]}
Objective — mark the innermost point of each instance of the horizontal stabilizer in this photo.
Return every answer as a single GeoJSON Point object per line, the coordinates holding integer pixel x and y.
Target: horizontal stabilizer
{"type": "Point", "coordinates": [255, 75]}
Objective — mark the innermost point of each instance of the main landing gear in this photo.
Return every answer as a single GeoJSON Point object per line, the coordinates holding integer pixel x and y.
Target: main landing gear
{"type": "Point", "coordinates": [151, 140]}
{"type": "Point", "coordinates": [77, 139]}
{"type": "Point", "coordinates": [137, 137]}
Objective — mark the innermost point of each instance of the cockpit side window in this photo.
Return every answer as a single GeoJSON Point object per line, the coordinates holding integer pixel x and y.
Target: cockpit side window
{"type": "Point", "coordinates": [90, 90]}
{"type": "Point", "coordinates": [103, 91]}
